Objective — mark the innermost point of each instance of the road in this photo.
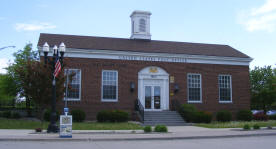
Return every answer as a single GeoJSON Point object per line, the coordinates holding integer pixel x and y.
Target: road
{"type": "Point", "coordinates": [262, 142]}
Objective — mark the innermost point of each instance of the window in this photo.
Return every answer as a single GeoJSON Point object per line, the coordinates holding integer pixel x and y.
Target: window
{"type": "Point", "coordinates": [109, 85]}
{"type": "Point", "coordinates": [225, 88]}
{"type": "Point", "coordinates": [194, 88]}
{"type": "Point", "coordinates": [73, 88]}
{"type": "Point", "coordinates": [142, 25]}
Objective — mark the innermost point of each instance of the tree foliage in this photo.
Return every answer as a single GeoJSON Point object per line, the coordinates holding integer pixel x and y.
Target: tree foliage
{"type": "Point", "coordinates": [7, 90]}
{"type": "Point", "coordinates": [22, 57]}
{"type": "Point", "coordinates": [263, 87]}
{"type": "Point", "coordinates": [36, 79]}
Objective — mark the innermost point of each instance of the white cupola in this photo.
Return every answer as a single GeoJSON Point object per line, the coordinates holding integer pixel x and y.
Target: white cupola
{"type": "Point", "coordinates": [140, 25]}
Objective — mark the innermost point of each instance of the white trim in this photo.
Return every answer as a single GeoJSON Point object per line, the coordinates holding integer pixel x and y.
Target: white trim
{"type": "Point", "coordinates": [117, 87]}
{"type": "Point", "coordinates": [144, 56]}
{"type": "Point", "coordinates": [159, 78]}
{"type": "Point", "coordinates": [75, 99]}
{"type": "Point", "coordinates": [200, 101]}
{"type": "Point", "coordinates": [231, 100]}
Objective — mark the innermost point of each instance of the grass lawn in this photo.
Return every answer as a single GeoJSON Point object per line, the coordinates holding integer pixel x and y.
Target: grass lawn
{"type": "Point", "coordinates": [29, 124]}
{"type": "Point", "coordinates": [237, 124]}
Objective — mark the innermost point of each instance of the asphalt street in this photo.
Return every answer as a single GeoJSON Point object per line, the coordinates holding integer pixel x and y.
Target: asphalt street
{"type": "Point", "coordinates": [261, 142]}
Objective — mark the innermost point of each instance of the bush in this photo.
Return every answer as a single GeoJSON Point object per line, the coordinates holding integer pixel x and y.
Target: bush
{"type": "Point", "coordinates": [147, 129]}
{"type": "Point", "coordinates": [47, 115]}
{"type": "Point", "coordinates": [78, 115]}
{"type": "Point", "coordinates": [15, 115]}
{"type": "Point", "coordinates": [119, 116]}
{"type": "Point", "coordinates": [244, 115]}
{"type": "Point", "coordinates": [272, 117]}
{"type": "Point", "coordinates": [224, 116]}
{"type": "Point", "coordinates": [6, 114]}
{"type": "Point", "coordinates": [256, 126]}
{"type": "Point", "coordinates": [188, 112]}
{"type": "Point", "coordinates": [260, 117]}
{"type": "Point", "coordinates": [103, 116]}
{"type": "Point", "coordinates": [161, 128]}
{"type": "Point", "coordinates": [202, 117]}
{"type": "Point", "coordinates": [1, 114]}
{"type": "Point", "coordinates": [246, 127]}
{"type": "Point", "coordinates": [112, 116]}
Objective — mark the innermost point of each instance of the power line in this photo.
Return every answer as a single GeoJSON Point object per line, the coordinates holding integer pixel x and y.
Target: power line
{"type": "Point", "coordinates": [7, 47]}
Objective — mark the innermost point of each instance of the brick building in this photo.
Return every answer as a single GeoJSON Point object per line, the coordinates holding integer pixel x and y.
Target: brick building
{"type": "Point", "coordinates": [111, 73]}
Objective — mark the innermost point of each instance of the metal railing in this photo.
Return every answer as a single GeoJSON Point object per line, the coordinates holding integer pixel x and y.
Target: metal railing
{"type": "Point", "coordinates": [176, 105]}
{"type": "Point", "coordinates": [140, 108]}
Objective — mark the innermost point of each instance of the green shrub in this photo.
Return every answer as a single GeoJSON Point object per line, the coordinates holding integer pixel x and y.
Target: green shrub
{"type": "Point", "coordinates": [7, 114]}
{"type": "Point", "coordinates": [119, 116]}
{"type": "Point", "coordinates": [160, 128]}
{"type": "Point", "coordinates": [15, 115]}
{"type": "Point", "coordinates": [244, 115]}
{"type": "Point", "coordinates": [1, 114]}
{"type": "Point", "coordinates": [103, 116]}
{"type": "Point", "coordinates": [112, 116]}
{"type": "Point", "coordinates": [147, 129]}
{"type": "Point", "coordinates": [256, 126]}
{"type": "Point", "coordinates": [272, 117]}
{"type": "Point", "coordinates": [78, 115]}
{"type": "Point", "coordinates": [188, 112]}
{"type": "Point", "coordinates": [202, 117]}
{"type": "Point", "coordinates": [224, 116]}
{"type": "Point", "coordinates": [47, 115]}
{"type": "Point", "coordinates": [246, 127]}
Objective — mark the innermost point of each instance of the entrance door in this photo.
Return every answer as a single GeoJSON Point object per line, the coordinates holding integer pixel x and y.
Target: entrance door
{"type": "Point", "coordinates": [152, 97]}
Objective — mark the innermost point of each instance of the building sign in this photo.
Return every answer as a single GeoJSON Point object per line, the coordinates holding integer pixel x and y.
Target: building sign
{"type": "Point", "coordinates": [154, 59]}
{"type": "Point", "coordinates": [153, 70]}
{"type": "Point", "coordinates": [65, 126]}
{"type": "Point", "coordinates": [171, 79]}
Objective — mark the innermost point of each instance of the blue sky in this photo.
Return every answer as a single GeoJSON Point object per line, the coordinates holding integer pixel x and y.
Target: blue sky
{"type": "Point", "coordinates": [247, 25]}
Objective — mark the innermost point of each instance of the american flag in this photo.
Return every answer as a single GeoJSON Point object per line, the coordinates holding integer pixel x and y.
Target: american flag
{"type": "Point", "coordinates": [57, 66]}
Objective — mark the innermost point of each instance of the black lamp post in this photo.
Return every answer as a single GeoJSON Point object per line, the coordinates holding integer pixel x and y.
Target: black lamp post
{"type": "Point", "coordinates": [53, 126]}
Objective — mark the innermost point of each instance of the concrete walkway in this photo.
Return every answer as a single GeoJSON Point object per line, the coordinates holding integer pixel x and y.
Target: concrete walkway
{"type": "Point", "coordinates": [175, 132]}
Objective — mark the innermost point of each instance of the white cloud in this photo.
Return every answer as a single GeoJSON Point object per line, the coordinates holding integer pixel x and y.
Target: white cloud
{"type": "Point", "coordinates": [269, 6]}
{"type": "Point", "coordinates": [4, 63]}
{"type": "Point", "coordinates": [33, 27]}
{"type": "Point", "coordinates": [262, 18]}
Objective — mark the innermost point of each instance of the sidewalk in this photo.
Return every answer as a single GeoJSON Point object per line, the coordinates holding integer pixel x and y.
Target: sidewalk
{"type": "Point", "coordinates": [177, 132]}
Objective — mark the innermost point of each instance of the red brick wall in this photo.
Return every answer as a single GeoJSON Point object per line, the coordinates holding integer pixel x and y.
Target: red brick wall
{"type": "Point", "coordinates": [91, 71]}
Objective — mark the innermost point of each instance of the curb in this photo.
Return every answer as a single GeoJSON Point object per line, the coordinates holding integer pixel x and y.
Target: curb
{"type": "Point", "coordinates": [132, 139]}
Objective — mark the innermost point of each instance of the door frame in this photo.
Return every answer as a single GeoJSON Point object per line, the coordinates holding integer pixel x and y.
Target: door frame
{"type": "Point", "coordinates": [157, 77]}
{"type": "Point", "coordinates": [152, 97]}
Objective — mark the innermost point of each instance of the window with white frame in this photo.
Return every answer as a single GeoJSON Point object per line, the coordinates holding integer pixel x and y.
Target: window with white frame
{"type": "Point", "coordinates": [109, 85]}
{"type": "Point", "coordinates": [194, 88]}
{"type": "Point", "coordinates": [225, 88]}
{"type": "Point", "coordinates": [73, 86]}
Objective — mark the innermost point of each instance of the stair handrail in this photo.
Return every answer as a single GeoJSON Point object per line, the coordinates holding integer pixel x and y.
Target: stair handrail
{"type": "Point", "coordinates": [176, 105]}
{"type": "Point", "coordinates": [140, 108]}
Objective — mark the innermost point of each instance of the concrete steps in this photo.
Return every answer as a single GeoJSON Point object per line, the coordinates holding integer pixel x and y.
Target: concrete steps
{"type": "Point", "coordinates": [168, 118]}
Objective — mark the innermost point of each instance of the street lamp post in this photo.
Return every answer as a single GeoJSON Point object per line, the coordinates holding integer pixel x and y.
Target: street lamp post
{"type": "Point", "coordinates": [52, 127]}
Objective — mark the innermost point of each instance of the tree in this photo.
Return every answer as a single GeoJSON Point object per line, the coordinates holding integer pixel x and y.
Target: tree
{"type": "Point", "coordinates": [22, 57]}
{"type": "Point", "coordinates": [263, 88]}
{"type": "Point", "coordinates": [36, 81]}
{"type": "Point", "coordinates": [7, 90]}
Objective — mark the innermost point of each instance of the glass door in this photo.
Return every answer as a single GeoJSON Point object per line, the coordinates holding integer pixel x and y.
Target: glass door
{"type": "Point", "coordinates": [157, 97]}
{"type": "Point", "coordinates": [152, 97]}
{"type": "Point", "coordinates": [147, 97]}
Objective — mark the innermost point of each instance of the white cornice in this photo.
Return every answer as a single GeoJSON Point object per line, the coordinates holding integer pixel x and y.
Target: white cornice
{"type": "Point", "coordinates": [145, 56]}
